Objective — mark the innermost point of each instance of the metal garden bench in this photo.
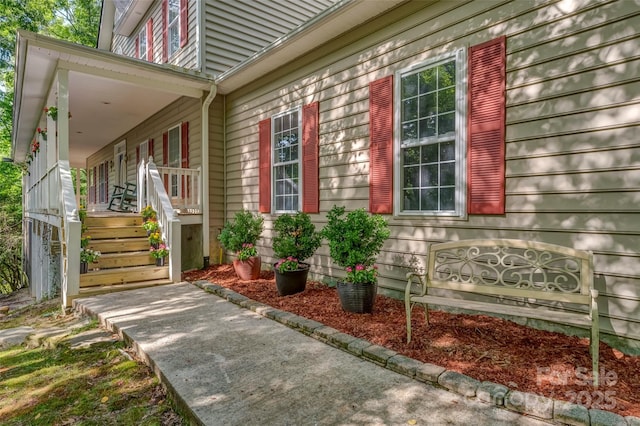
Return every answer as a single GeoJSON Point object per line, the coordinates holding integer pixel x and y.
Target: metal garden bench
{"type": "Point", "coordinates": [511, 276]}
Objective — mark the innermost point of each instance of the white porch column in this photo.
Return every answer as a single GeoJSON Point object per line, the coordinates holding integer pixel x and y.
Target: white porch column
{"type": "Point", "coordinates": [63, 114]}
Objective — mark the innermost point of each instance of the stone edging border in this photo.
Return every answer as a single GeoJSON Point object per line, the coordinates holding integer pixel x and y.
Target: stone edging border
{"type": "Point", "coordinates": [560, 412]}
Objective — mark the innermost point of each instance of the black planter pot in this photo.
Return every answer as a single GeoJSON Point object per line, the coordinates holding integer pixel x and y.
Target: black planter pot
{"type": "Point", "coordinates": [291, 282]}
{"type": "Point", "coordinates": [357, 298]}
{"type": "Point", "coordinates": [84, 267]}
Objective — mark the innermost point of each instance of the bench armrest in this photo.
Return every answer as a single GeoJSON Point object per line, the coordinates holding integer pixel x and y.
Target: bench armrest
{"type": "Point", "coordinates": [411, 279]}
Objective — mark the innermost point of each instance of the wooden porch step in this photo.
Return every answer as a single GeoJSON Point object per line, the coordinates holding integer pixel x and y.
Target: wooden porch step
{"type": "Point", "coordinates": [123, 275]}
{"type": "Point", "coordinates": [113, 220]}
{"type": "Point", "coordinates": [94, 291]}
{"type": "Point", "coordinates": [119, 245]}
{"type": "Point", "coordinates": [101, 232]}
{"type": "Point", "coordinates": [123, 260]}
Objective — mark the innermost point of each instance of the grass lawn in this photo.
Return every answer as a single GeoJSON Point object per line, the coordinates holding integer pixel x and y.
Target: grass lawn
{"type": "Point", "coordinates": [99, 385]}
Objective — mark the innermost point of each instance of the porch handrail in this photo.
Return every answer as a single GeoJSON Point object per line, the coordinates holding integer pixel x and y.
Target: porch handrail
{"type": "Point", "coordinates": [188, 195]}
{"type": "Point", "coordinates": [71, 233]}
{"type": "Point", "coordinates": [168, 220]}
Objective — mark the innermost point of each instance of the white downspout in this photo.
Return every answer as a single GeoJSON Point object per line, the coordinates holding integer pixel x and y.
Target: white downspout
{"type": "Point", "coordinates": [205, 173]}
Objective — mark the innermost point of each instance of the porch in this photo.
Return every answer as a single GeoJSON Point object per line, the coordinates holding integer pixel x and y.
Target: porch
{"type": "Point", "coordinates": [72, 103]}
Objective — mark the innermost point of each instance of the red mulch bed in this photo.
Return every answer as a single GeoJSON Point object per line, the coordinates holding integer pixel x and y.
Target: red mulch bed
{"type": "Point", "coordinates": [480, 346]}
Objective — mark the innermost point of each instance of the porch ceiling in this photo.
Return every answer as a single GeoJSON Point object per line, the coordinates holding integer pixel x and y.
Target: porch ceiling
{"type": "Point", "coordinates": [108, 94]}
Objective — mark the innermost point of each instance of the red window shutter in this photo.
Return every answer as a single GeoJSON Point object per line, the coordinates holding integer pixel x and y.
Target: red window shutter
{"type": "Point", "coordinates": [137, 47]}
{"type": "Point", "coordinates": [184, 19]}
{"type": "Point", "coordinates": [150, 40]}
{"type": "Point", "coordinates": [150, 148]}
{"type": "Point", "coordinates": [185, 144]}
{"type": "Point", "coordinates": [184, 139]}
{"type": "Point", "coordinates": [486, 128]}
{"type": "Point", "coordinates": [165, 157]}
{"type": "Point", "coordinates": [381, 146]}
{"type": "Point", "coordinates": [310, 154]}
{"type": "Point", "coordinates": [165, 36]}
{"type": "Point", "coordinates": [265, 165]}
{"type": "Point", "coordinates": [137, 154]}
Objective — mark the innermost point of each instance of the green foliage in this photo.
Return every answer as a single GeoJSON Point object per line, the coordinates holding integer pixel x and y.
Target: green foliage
{"type": "Point", "coordinates": [246, 228]}
{"type": "Point", "coordinates": [296, 236]}
{"type": "Point", "coordinates": [355, 238]}
{"type": "Point", "coordinates": [12, 277]}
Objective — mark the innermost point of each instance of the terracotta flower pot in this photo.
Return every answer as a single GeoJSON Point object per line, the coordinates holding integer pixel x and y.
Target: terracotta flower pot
{"type": "Point", "coordinates": [291, 282]}
{"type": "Point", "coordinates": [249, 269]}
{"type": "Point", "coordinates": [357, 298]}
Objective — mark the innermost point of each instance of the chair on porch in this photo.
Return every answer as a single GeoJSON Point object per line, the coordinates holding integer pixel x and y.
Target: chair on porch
{"type": "Point", "coordinates": [123, 198]}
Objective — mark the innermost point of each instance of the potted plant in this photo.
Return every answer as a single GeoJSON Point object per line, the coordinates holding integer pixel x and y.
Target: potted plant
{"type": "Point", "coordinates": [151, 226]}
{"type": "Point", "coordinates": [295, 240]}
{"type": "Point", "coordinates": [148, 213]}
{"type": "Point", "coordinates": [155, 238]}
{"type": "Point", "coordinates": [355, 239]}
{"type": "Point", "coordinates": [240, 236]}
{"type": "Point", "coordinates": [87, 256]}
{"type": "Point", "coordinates": [160, 253]}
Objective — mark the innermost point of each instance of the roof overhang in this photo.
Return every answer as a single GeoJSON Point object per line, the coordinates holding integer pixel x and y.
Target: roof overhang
{"type": "Point", "coordinates": [336, 20]}
{"type": "Point", "coordinates": [109, 94]}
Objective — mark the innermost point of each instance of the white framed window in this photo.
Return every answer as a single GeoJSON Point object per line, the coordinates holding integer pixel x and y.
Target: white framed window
{"type": "Point", "coordinates": [102, 183]}
{"type": "Point", "coordinates": [286, 161]}
{"type": "Point", "coordinates": [174, 157]}
{"type": "Point", "coordinates": [142, 44]}
{"type": "Point", "coordinates": [143, 151]}
{"type": "Point", "coordinates": [430, 137]}
{"type": "Point", "coordinates": [173, 26]}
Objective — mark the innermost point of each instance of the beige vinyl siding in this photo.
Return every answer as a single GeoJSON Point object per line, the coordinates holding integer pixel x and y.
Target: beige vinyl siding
{"type": "Point", "coordinates": [184, 109]}
{"type": "Point", "coordinates": [185, 57]}
{"type": "Point", "coordinates": [572, 152]}
{"type": "Point", "coordinates": [236, 29]}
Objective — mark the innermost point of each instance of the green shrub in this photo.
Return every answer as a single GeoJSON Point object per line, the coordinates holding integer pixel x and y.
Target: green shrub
{"type": "Point", "coordinates": [295, 236]}
{"type": "Point", "coordinates": [246, 228]}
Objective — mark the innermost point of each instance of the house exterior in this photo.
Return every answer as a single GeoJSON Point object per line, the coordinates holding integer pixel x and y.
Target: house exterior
{"type": "Point", "coordinates": [455, 120]}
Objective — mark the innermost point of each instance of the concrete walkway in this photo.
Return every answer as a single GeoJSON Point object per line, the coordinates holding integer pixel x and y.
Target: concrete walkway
{"type": "Point", "coordinates": [230, 366]}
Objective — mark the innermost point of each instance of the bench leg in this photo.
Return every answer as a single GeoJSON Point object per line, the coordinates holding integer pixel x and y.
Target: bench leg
{"type": "Point", "coordinates": [595, 352]}
{"type": "Point", "coordinates": [407, 307]}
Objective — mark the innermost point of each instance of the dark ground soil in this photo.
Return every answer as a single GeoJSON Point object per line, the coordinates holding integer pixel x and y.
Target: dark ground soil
{"type": "Point", "coordinates": [480, 346]}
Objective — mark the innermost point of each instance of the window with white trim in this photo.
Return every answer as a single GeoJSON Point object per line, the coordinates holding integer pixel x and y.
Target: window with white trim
{"type": "Point", "coordinates": [286, 164]}
{"type": "Point", "coordinates": [174, 157]}
{"type": "Point", "coordinates": [142, 43]}
{"type": "Point", "coordinates": [102, 183]}
{"type": "Point", "coordinates": [173, 26]}
{"type": "Point", "coordinates": [430, 141]}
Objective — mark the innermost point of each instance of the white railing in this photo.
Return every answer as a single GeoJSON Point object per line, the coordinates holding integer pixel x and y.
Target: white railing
{"type": "Point", "coordinates": [184, 187]}
{"type": "Point", "coordinates": [158, 199]}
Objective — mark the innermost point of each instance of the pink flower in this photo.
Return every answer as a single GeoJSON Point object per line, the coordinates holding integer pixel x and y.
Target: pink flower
{"type": "Point", "coordinates": [359, 267]}
{"type": "Point", "coordinates": [375, 267]}
{"type": "Point", "coordinates": [349, 269]}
